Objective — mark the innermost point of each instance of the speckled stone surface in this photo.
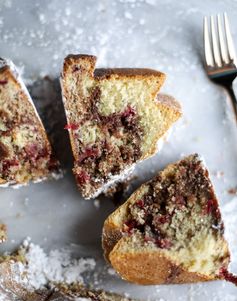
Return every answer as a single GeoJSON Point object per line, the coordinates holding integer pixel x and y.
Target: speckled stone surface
{"type": "Point", "coordinates": [163, 34]}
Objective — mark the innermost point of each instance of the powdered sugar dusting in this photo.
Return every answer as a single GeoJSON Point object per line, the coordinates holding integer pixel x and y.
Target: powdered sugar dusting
{"type": "Point", "coordinates": [55, 267]}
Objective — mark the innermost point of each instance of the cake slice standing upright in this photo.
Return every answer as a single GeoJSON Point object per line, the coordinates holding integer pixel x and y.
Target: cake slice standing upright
{"type": "Point", "coordinates": [114, 119]}
{"type": "Point", "coordinates": [25, 152]}
{"type": "Point", "coordinates": [170, 230]}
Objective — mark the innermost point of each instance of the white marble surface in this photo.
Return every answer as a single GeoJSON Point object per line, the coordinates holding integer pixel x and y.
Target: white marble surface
{"type": "Point", "coordinates": [163, 34]}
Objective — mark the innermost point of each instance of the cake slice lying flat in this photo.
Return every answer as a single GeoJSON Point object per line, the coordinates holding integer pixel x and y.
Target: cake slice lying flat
{"type": "Point", "coordinates": [114, 119]}
{"type": "Point", "coordinates": [25, 152]}
{"type": "Point", "coordinates": [170, 230]}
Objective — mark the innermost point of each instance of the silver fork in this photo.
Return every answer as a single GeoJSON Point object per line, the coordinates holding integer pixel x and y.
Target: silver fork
{"type": "Point", "coordinates": [220, 57]}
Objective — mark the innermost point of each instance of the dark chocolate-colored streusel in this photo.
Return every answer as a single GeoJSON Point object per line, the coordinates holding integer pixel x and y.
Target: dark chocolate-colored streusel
{"type": "Point", "coordinates": [180, 195]}
{"type": "Point", "coordinates": [97, 162]}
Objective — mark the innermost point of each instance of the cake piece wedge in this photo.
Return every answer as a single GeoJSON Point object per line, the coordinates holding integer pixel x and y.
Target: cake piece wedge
{"type": "Point", "coordinates": [25, 152]}
{"type": "Point", "coordinates": [114, 119]}
{"type": "Point", "coordinates": [170, 230]}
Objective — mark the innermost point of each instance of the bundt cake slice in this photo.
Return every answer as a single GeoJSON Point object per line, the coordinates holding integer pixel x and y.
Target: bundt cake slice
{"type": "Point", "coordinates": [170, 230]}
{"type": "Point", "coordinates": [114, 119]}
{"type": "Point", "coordinates": [25, 152]}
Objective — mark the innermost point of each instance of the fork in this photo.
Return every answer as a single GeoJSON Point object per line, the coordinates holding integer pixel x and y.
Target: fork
{"type": "Point", "coordinates": [220, 57]}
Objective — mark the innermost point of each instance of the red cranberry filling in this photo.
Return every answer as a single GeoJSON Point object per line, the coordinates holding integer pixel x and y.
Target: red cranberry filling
{"type": "Point", "coordinates": [211, 207]}
{"type": "Point", "coordinates": [164, 243]}
{"type": "Point", "coordinates": [224, 273]}
{"type": "Point", "coordinates": [75, 69]}
{"type": "Point", "coordinates": [89, 153]}
{"type": "Point", "coordinates": [3, 82]}
{"type": "Point", "coordinates": [129, 226]}
{"type": "Point", "coordinates": [31, 150]}
{"type": "Point", "coordinates": [7, 165]}
{"type": "Point", "coordinates": [83, 177]}
{"type": "Point", "coordinates": [140, 204]}
{"type": "Point", "coordinates": [35, 152]}
{"type": "Point", "coordinates": [162, 219]}
{"type": "Point", "coordinates": [180, 202]}
{"type": "Point", "coordinates": [71, 126]}
{"type": "Point", "coordinates": [129, 112]}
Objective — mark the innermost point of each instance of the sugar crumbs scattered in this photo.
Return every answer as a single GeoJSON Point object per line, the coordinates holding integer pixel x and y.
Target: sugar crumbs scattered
{"type": "Point", "coordinates": [111, 271]}
{"type": "Point", "coordinates": [97, 203]}
{"type": "Point", "coordinates": [55, 267]}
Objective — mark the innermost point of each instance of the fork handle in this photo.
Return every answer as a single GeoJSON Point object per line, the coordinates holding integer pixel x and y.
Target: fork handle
{"type": "Point", "coordinates": [233, 99]}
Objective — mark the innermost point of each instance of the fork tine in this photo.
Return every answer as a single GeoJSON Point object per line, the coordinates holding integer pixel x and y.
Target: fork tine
{"type": "Point", "coordinates": [207, 45]}
{"type": "Point", "coordinates": [215, 46]}
{"type": "Point", "coordinates": [230, 44]}
{"type": "Point", "coordinates": [223, 49]}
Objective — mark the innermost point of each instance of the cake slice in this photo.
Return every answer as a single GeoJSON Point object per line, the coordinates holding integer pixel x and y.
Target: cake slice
{"type": "Point", "coordinates": [25, 152]}
{"type": "Point", "coordinates": [114, 119]}
{"type": "Point", "coordinates": [170, 230]}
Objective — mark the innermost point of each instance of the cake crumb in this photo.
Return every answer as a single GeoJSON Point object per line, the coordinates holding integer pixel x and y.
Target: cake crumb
{"type": "Point", "coordinates": [128, 15]}
{"type": "Point", "coordinates": [97, 203]}
{"type": "Point", "coordinates": [218, 174]}
{"type": "Point", "coordinates": [26, 201]}
{"type": "Point", "coordinates": [232, 191]}
{"type": "Point", "coordinates": [111, 271]}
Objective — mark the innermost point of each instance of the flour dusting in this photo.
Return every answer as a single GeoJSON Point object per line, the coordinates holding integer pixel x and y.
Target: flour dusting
{"type": "Point", "coordinates": [55, 267]}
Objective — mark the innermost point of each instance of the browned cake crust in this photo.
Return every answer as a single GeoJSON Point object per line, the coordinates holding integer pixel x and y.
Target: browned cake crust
{"type": "Point", "coordinates": [25, 152]}
{"type": "Point", "coordinates": [142, 248]}
{"type": "Point", "coordinates": [149, 268]}
{"type": "Point", "coordinates": [110, 72]}
{"type": "Point", "coordinates": [121, 115]}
